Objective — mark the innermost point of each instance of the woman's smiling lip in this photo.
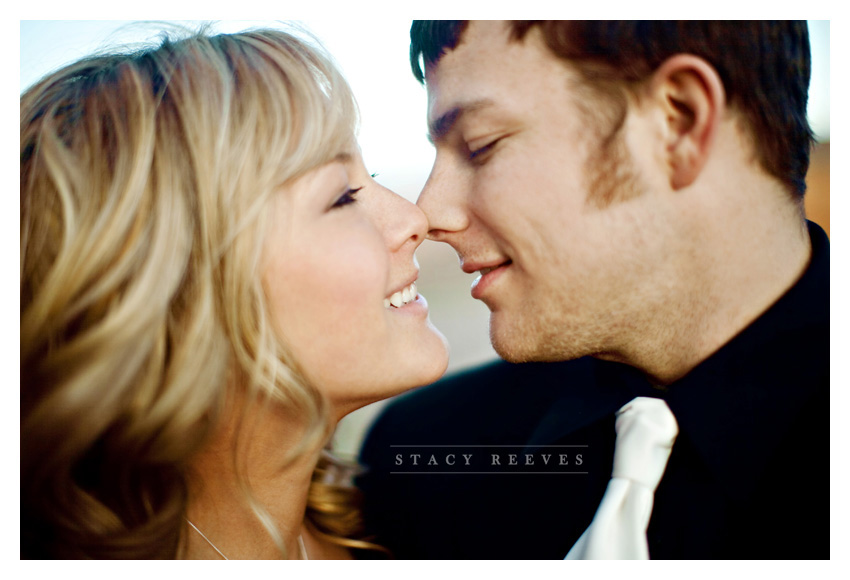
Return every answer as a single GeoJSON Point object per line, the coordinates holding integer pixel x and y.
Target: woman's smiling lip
{"type": "Point", "coordinates": [410, 280]}
{"type": "Point", "coordinates": [417, 308]}
{"type": "Point", "coordinates": [404, 294]}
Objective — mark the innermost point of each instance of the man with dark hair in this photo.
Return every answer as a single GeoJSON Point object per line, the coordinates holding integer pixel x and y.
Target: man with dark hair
{"type": "Point", "coordinates": [631, 195]}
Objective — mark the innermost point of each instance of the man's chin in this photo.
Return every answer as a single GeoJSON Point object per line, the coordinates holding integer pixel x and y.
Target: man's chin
{"type": "Point", "coordinates": [515, 346]}
{"type": "Point", "coordinates": [522, 341]}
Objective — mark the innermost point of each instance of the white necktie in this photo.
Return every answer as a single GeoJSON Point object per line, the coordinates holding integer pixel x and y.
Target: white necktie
{"type": "Point", "coordinates": [646, 430]}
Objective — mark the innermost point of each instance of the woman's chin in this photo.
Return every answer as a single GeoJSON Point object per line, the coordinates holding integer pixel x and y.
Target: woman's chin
{"type": "Point", "coordinates": [421, 372]}
{"type": "Point", "coordinates": [431, 360]}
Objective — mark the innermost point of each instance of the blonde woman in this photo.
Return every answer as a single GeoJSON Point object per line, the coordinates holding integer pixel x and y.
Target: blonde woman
{"type": "Point", "coordinates": [210, 280]}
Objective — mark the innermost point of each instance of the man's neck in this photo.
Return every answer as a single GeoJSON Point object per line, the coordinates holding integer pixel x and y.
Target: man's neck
{"type": "Point", "coordinates": [731, 269]}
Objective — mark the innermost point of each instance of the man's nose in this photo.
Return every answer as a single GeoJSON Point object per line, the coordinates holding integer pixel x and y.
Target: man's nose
{"type": "Point", "coordinates": [444, 202]}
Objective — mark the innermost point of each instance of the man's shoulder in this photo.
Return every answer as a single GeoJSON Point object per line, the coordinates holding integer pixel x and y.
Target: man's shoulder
{"type": "Point", "coordinates": [496, 404]}
{"type": "Point", "coordinates": [493, 399]}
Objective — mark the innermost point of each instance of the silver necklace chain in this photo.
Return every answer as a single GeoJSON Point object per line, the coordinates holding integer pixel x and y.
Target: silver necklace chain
{"type": "Point", "coordinates": [220, 553]}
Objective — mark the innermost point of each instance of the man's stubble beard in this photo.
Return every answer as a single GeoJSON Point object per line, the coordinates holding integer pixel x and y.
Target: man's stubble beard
{"type": "Point", "coordinates": [549, 333]}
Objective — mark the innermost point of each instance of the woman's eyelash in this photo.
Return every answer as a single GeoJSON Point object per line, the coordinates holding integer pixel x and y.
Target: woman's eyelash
{"type": "Point", "coordinates": [347, 197]}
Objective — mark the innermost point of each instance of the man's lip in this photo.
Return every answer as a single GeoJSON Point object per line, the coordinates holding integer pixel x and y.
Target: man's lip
{"type": "Point", "coordinates": [488, 277]}
{"type": "Point", "coordinates": [472, 267]}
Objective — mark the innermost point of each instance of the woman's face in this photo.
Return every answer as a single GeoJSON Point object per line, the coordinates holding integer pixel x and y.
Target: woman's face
{"type": "Point", "coordinates": [339, 267]}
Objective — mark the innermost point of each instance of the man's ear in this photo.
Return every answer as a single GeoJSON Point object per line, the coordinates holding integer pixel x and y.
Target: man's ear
{"type": "Point", "coordinates": [691, 96]}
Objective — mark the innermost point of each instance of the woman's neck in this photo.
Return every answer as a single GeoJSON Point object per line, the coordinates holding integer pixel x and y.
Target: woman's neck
{"type": "Point", "coordinates": [246, 461]}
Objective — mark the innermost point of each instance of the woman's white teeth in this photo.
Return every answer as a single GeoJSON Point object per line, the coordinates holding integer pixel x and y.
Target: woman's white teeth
{"type": "Point", "coordinates": [401, 298]}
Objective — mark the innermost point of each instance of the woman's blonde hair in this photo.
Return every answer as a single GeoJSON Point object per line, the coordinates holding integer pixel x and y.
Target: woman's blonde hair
{"type": "Point", "coordinates": [144, 177]}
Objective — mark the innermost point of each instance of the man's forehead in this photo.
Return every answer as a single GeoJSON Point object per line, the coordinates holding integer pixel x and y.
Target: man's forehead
{"type": "Point", "coordinates": [487, 69]}
{"type": "Point", "coordinates": [479, 43]}
{"type": "Point", "coordinates": [461, 79]}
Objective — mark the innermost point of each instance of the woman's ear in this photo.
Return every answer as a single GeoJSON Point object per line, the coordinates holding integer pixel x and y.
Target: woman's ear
{"type": "Point", "coordinates": [691, 96]}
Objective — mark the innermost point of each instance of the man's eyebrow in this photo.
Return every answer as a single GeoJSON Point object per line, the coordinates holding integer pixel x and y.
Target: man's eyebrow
{"type": "Point", "coordinates": [440, 127]}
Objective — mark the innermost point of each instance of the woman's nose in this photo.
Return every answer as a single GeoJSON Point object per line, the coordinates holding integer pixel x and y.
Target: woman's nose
{"type": "Point", "coordinates": [407, 224]}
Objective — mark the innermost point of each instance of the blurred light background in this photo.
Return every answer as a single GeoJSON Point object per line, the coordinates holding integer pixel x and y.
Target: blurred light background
{"type": "Point", "coordinates": [374, 58]}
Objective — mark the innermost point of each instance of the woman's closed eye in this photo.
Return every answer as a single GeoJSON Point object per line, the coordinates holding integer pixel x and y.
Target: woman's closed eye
{"type": "Point", "coordinates": [346, 198]}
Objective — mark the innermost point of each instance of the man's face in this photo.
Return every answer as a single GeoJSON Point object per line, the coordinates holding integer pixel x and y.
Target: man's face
{"type": "Point", "coordinates": [518, 172]}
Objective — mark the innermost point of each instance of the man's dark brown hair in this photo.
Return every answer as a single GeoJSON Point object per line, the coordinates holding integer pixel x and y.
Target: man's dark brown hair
{"type": "Point", "coordinates": [765, 67]}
